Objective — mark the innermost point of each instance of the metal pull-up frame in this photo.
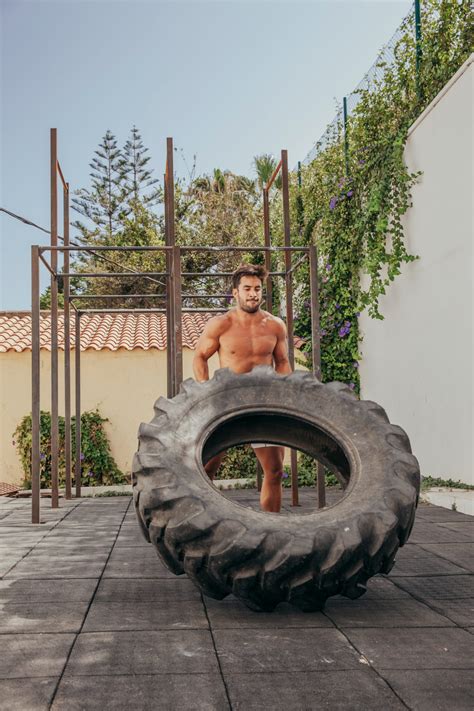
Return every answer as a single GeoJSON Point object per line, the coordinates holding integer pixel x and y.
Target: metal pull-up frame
{"type": "Point", "coordinates": [174, 309]}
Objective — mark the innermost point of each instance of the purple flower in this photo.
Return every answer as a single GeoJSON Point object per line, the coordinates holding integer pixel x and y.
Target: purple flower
{"type": "Point", "coordinates": [344, 330]}
{"type": "Point", "coordinates": [352, 386]}
{"type": "Point", "coordinates": [82, 457]}
{"type": "Point", "coordinates": [284, 475]}
{"type": "Point", "coordinates": [358, 314]}
{"type": "Point", "coordinates": [341, 183]}
{"type": "Point", "coordinates": [323, 332]}
{"type": "Point", "coordinates": [350, 193]}
{"type": "Point", "coordinates": [328, 267]}
{"type": "Point", "coordinates": [333, 203]}
{"type": "Point", "coordinates": [42, 456]}
{"type": "Point", "coordinates": [355, 364]}
{"type": "Point", "coordinates": [338, 306]}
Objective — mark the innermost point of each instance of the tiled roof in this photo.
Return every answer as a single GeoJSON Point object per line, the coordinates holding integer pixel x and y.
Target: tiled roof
{"type": "Point", "coordinates": [6, 489]}
{"type": "Point", "coordinates": [102, 331]}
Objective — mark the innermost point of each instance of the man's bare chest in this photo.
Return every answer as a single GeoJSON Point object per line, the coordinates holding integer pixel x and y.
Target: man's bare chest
{"type": "Point", "coordinates": [239, 343]}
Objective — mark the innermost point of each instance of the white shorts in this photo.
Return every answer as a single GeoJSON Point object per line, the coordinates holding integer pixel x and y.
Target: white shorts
{"type": "Point", "coordinates": [263, 444]}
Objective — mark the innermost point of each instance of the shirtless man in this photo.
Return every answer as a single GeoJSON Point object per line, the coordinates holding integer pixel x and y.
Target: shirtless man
{"type": "Point", "coordinates": [244, 337]}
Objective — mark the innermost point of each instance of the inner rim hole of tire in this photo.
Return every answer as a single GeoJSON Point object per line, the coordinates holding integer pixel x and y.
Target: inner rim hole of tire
{"type": "Point", "coordinates": [279, 429]}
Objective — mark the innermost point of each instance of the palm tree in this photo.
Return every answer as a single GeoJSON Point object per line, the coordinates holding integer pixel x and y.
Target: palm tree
{"type": "Point", "coordinates": [264, 166]}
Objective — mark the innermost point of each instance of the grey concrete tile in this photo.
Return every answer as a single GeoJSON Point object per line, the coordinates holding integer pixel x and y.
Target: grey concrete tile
{"type": "Point", "coordinates": [432, 690]}
{"type": "Point", "coordinates": [162, 590]}
{"type": "Point", "coordinates": [151, 652]}
{"type": "Point", "coordinates": [41, 617]}
{"type": "Point", "coordinates": [378, 588]}
{"type": "Point", "coordinates": [437, 586]}
{"type": "Point", "coordinates": [461, 554]}
{"type": "Point", "coordinates": [464, 527]}
{"type": "Point", "coordinates": [284, 650]}
{"type": "Point", "coordinates": [460, 611]}
{"type": "Point", "coordinates": [26, 694]}
{"type": "Point", "coordinates": [7, 563]}
{"type": "Point", "coordinates": [131, 562]}
{"type": "Point", "coordinates": [27, 590]}
{"type": "Point", "coordinates": [199, 692]}
{"type": "Point", "coordinates": [33, 655]}
{"type": "Point", "coordinates": [427, 532]}
{"type": "Point", "coordinates": [423, 648]}
{"type": "Point", "coordinates": [384, 613]}
{"type": "Point", "coordinates": [230, 613]}
{"type": "Point", "coordinates": [440, 514]}
{"type": "Point", "coordinates": [123, 616]}
{"type": "Point", "coordinates": [301, 691]}
{"type": "Point", "coordinates": [48, 567]}
{"type": "Point", "coordinates": [414, 560]}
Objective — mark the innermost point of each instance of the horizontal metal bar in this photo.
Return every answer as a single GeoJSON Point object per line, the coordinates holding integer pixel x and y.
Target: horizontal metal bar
{"type": "Point", "coordinates": [121, 311]}
{"type": "Point", "coordinates": [221, 274]}
{"type": "Point", "coordinates": [206, 296]}
{"type": "Point", "coordinates": [110, 275]}
{"type": "Point", "coordinates": [231, 248]}
{"type": "Point", "coordinates": [148, 248]}
{"type": "Point", "coordinates": [117, 296]}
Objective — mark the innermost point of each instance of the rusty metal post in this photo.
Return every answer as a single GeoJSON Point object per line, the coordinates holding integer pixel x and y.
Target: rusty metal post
{"type": "Point", "coordinates": [178, 326]}
{"type": "Point", "coordinates": [77, 358]}
{"type": "Point", "coordinates": [35, 386]}
{"type": "Point", "coordinates": [54, 321]}
{"type": "Point", "coordinates": [268, 261]}
{"type": "Point", "coordinates": [67, 349]}
{"type": "Point", "coordinates": [316, 351]}
{"type": "Point", "coordinates": [169, 241]}
{"type": "Point", "coordinates": [289, 303]}
{"type": "Point", "coordinates": [169, 340]}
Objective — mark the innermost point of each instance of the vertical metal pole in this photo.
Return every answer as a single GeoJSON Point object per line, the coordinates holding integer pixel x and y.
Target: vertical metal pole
{"type": "Point", "coordinates": [418, 48]}
{"type": "Point", "coordinates": [54, 322]}
{"type": "Point", "coordinates": [289, 303]}
{"type": "Point", "coordinates": [178, 327]}
{"type": "Point", "coordinates": [346, 138]}
{"type": "Point", "coordinates": [35, 386]}
{"type": "Point", "coordinates": [169, 338]}
{"type": "Point", "coordinates": [176, 330]}
{"type": "Point", "coordinates": [67, 349]}
{"type": "Point", "coordinates": [268, 259]}
{"type": "Point", "coordinates": [77, 358]}
{"type": "Point", "coordinates": [316, 351]}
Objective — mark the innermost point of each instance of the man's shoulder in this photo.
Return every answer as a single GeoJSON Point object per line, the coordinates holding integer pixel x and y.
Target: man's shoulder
{"type": "Point", "coordinates": [218, 324]}
{"type": "Point", "coordinates": [274, 321]}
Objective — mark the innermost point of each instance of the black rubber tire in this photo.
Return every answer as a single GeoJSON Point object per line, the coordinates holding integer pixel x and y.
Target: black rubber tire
{"type": "Point", "coordinates": [265, 558]}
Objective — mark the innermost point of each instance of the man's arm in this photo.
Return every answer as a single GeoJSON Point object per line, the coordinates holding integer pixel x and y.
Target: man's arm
{"type": "Point", "coordinates": [207, 345]}
{"type": "Point", "coordinates": [280, 352]}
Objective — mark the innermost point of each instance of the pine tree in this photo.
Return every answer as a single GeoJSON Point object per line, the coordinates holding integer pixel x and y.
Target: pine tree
{"type": "Point", "coordinates": [103, 203]}
{"type": "Point", "coordinates": [138, 177]}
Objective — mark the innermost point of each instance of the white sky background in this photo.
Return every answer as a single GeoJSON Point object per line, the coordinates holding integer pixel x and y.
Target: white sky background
{"type": "Point", "coordinates": [228, 80]}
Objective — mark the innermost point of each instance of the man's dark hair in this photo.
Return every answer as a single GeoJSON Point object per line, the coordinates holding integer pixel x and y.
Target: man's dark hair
{"type": "Point", "coordinates": [257, 270]}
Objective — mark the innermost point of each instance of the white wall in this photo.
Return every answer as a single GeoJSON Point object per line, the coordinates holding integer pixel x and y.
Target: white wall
{"type": "Point", "coordinates": [418, 362]}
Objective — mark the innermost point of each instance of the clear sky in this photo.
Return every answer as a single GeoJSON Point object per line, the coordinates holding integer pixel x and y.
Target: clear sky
{"type": "Point", "coordinates": [227, 79]}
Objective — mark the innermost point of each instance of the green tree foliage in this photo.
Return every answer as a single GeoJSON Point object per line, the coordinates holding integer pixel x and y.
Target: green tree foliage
{"type": "Point", "coordinates": [139, 184]}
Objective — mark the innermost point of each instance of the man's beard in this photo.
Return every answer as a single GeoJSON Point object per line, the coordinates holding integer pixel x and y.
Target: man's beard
{"type": "Point", "coordinates": [249, 308]}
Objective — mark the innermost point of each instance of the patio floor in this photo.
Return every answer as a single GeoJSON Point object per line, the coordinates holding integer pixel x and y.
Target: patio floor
{"type": "Point", "coordinates": [90, 619]}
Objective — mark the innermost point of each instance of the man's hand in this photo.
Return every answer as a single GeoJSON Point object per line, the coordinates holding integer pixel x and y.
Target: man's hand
{"type": "Point", "coordinates": [206, 346]}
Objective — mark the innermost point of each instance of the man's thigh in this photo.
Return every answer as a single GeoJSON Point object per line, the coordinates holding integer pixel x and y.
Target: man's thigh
{"type": "Point", "coordinates": [271, 458]}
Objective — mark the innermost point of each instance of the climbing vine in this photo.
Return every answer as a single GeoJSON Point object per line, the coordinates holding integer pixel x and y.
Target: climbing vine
{"type": "Point", "coordinates": [97, 464]}
{"type": "Point", "coordinates": [351, 204]}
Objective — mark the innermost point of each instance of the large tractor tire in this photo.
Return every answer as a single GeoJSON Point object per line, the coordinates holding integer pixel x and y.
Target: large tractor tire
{"type": "Point", "coordinates": [267, 558]}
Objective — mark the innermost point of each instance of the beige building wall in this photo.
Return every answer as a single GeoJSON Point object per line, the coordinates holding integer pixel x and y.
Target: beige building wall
{"type": "Point", "coordinates": [418, 362]}
{"type": "Point", "coordinates": [123, 385]}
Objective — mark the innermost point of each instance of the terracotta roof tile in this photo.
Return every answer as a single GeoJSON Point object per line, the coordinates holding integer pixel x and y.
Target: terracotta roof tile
{"type": "Point", "coordinates": [102, 331]}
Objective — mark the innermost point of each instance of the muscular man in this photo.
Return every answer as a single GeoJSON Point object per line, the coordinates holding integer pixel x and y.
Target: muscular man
{"type": "Point", "coordinates": [244, 337]}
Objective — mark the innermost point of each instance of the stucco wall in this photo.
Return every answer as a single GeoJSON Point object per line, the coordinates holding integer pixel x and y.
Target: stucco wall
{"type": "Point", "coordinates": [122, 384]}
{"type": "Point", "coordinates": [418, 362]}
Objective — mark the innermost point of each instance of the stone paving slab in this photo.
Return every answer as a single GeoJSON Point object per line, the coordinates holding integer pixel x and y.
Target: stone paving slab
{"type": "Point", "coordinates": [161, 590]}
{"type": "Point", "coordinates": [414, 560]}
{"type": "Point", "coordinates": [330, 690]}
{"type": "Point", "coordinates": [430, 690]}
{"type": "Point", "coordinates": [122, 616]}
{"type": "Point", "coordinates": [33, 655]}
{"type": "Point", "coordinates": [285, 650]}
{"type": "Point", "coordinates": [27, 590]}
{"type": "Point", "coordinates": [427, 532]}
{"type": "Point", "coordinates": [384, 613]}
{"type": "Point", "coordinates": [42, 617]}
{"type": "Point", "coordinates": [437, 586]}
{"type": "Point", "coordinates": [233, 614]}
{"type": "Point", "coordinates": [163, 692]}
{"type": "Point", "coordinates": [460, 611]}
{"type": "Point", "coordinates": [155, 652]}
{"type": "Point", "coordinates": [461, 554]}
{"type": "Point", "coordinates": [421, 648]}
{"type": "Point", "coordinates": [27, 694]}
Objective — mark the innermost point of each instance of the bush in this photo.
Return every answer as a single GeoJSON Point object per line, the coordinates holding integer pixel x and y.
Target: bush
{"type": "Point", "coordinates": [239, 463]}
{"type": "Point", "coordinates": [98, 467]}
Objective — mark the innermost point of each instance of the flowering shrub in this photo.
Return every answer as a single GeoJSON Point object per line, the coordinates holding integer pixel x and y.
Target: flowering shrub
{"type": "Point", "coordinates": [98, 467]}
